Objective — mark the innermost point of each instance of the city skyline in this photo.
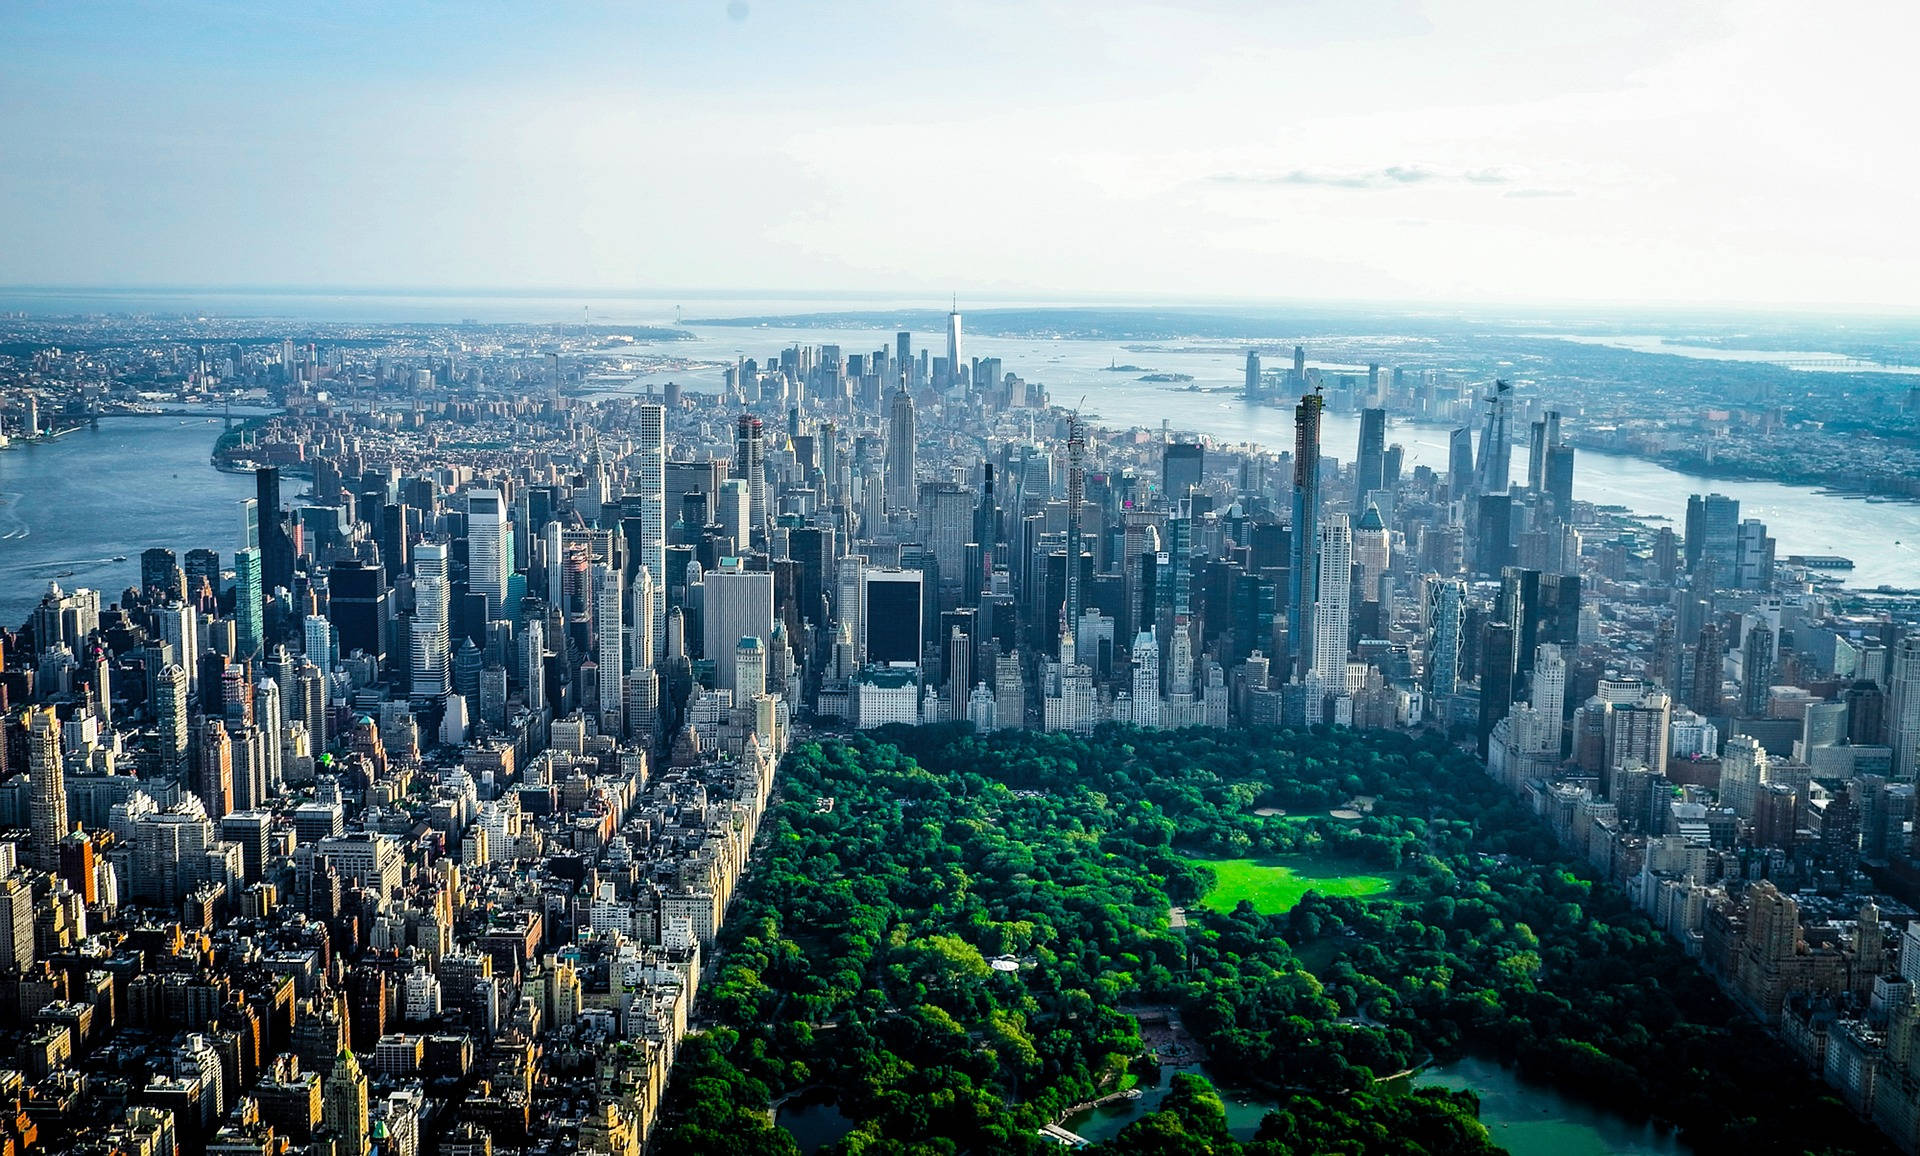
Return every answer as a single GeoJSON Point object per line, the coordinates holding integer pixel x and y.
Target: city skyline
{"type": "Point", "coordinates": [1353, 589]}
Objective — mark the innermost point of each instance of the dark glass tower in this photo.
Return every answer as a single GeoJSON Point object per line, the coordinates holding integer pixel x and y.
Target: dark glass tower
{"type": "Point", "coordinates": [1370, 462]}
{"type": "Point", "coordinates": [1305, 563]}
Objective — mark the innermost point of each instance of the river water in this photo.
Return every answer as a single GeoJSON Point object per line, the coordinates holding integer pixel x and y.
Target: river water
{"type": "Point", "coordinates": [74, 503]}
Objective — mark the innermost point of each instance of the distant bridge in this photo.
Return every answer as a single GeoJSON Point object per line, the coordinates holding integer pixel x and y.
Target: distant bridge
{"type": "Point", "coordinates": [1840, 363]}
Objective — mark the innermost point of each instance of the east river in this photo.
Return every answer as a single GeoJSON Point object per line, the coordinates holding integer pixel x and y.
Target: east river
{"type": "Point", "coordinates": [70, 506]}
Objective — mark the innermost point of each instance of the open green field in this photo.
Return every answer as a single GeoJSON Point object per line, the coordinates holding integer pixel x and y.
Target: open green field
{"type": "Point", "coordinates": [1274, 884]}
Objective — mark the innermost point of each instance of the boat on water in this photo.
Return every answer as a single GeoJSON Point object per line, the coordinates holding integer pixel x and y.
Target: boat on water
{"type": "Point", "coordinates": [119, 557]}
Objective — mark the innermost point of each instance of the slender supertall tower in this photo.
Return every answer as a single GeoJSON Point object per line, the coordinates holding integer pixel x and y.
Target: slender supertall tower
{"type": "Point", "coordinates": [900, 462]}
{"type": "Point", "coordinates": [1333, 605]}
{"type": "Point", "coordinates": [953, 342]}
{"type": "Point", "coordinates": [1076, 493]}
{"type": "Point", "coordinates": [749, 464]}
{"type": "Point", "coordinates": [652, 453]}
{"type": "Point", "coordinates": [1305, 562]}
{"type": "Point", "coordinates": [49, 802]}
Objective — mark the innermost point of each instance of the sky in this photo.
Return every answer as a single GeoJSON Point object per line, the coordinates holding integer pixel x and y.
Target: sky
{"type": "Point", "coordinates": [1750, 153]}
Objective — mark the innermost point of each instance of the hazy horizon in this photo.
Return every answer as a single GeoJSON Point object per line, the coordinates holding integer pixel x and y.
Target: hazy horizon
{"type": "Point", "coordinates": [1721, 155]}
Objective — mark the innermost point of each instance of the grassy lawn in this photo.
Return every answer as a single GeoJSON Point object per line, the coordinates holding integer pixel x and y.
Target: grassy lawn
{"type": "Point", "coordinates": [1275, 884]}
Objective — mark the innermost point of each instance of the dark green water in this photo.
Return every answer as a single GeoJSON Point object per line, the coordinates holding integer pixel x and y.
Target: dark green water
{"type": "Point", "coordinates": [1525, 1119]}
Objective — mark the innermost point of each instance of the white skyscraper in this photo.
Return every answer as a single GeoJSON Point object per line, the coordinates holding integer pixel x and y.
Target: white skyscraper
{"type": "Point", "coordinates": [749, 669]}
{"type": "Point", "coordinates": [608, 599]}
{"type": "Point", "coordinates": [739, 604]}
{"type": "Point", "coordinates": [652, 480]}
{"type": "Point", "coordinates": [1332, 610]}
{"type": "Point", "coordinates": [180, 628]}
{"type": "Point", "coordinates": [319, 643]}
{"type": "Point", "coordinates": [1549, 697]}
{"type": "Point", "coordinates": [953, 342]}
{"type": "Point", "coordinates": [850, 602]}
{"type": "Point", "coordinates": [640, 616]}
{"type": "Point", "coordinates": [533, 652]}
{"type": "Point", "coordinates": [432, 670]}
{"type": "Point", "coordinates": [1146, 680]}
{"type": "Point", "coordinates": [1903, 707]}
{"type": "Point", "coordinates": [489, 548]}
{"type": "Point", "coordinates": [270, 716]}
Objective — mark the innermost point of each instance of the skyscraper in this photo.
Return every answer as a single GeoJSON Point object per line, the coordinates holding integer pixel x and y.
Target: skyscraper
{"type": "Point", "coordinates": [276, 545]}
{"type": "Point", "coordinates": [1370, 461]}
{"type": "Point", "coordinates": [1493, 469]}
{"type": "Point", "coordinates": [1756, 667]}
{"type": "Point", "coordinates": [1305, 569]}
{"type": "Point", "coordinates": [1713, 537]}
{"type": "Point", "coordinates": [1497, 666]}
{"type": "Point", "coordinates": [1707, 657]}
{"type": "Point", "coordinates": [900, 462]}
{"type": "Point", "coordinates": [343, 1105]}
{"type": "Point", "coordinates": [1460, 463]}
{"type": "Point", "coordinates": [357, 606]}
{"type": "Point", "coordinates": [1182, 466]}
{"type": "Point", "coordinates": [893, 613]}
{"type": "Point", "coordinates": [953, 343]}
{"type": "Point", "coordinates": [1543, 436]}
{"type": "Point", "coordinates": [430, 653]}
{"type": "Point", "coordinates": [213, 768]}
{"type": "Point", "coordinates": [489, 548]}
{"type": "Point", "coordinates": [49, 800]}
{"type": "Point", "coordinates": [1332, 606]}
{"type": "Point", "coordinates": [1559, 482]}
{"type": "Point", "coordinates": [749, 462]}
{"type": "Point", "coordinates": [160, 574]}
{"type": "Point", "coordinates": [611, 650]}
{"type": "Point", "coordinates": [249, 606]}
{"type": "Point", "coordinates": [1446, 618]}
{"type": "Point", "coordinates": [1549, 696]}
{"type": "Point", "coordinates": [651, 478]}
{"type": "Point", "coordinates": [738, 604]}
{"type": "Point", "coordinates": [1253, 375]}
{"type": "Point", "coordinates": [1076, 494]}
{"type": "Point", "coordinates": [1903, 707]}
{"type": "Point", "coordinates": [170, 722]}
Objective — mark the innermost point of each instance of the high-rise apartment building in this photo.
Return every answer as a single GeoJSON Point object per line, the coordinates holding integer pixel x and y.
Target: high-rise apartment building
{"type": "Point", "coordinates": [610, 651]}
{"type": "Point", "coordinates": [1304, 571]}
{"type": "Point", "coordinates": [249, 605]}
{"type": "Point", "coordinates": [749, 463]}
{"type": "Point", "coordinates": [48, 802]}
{"type": "Point", "coordinates": [1333, 604]}
{"type": "Point", "coordinates": [651, 450]}
{"type": "Point", "coordinates": [1903, 707]}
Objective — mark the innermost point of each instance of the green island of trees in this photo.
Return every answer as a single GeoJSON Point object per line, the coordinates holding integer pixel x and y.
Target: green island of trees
{"type": "Point", "coordinates": [963, 946]}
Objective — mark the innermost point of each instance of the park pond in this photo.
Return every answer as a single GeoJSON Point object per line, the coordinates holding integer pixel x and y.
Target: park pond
{"type": "Point", "coordinates": [1525, 1119]}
